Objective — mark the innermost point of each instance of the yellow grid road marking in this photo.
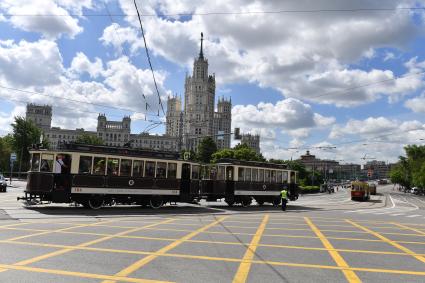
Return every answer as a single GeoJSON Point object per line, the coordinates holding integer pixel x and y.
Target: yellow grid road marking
{"type": "Point", "coordinates": [339, 260]}
{"type": "Point", "coordinates": [138, 264]}
{"type": "Point", "coordinates": [395, 244]}
{"type": "Point", "coordinates": [410, 228]}
{"type": "Point", "coordinates": [208, 242]}
{"type": "Point", "coordinates": [59, 252]}
{"type": "Point", "coordinates": [243, 270]}
{"type": "Point", "coordinates": [210, 232]}
{"type": "Point", "coordinates": [77, 274]}
{"type": "Point", "coordinates": [276, 263]}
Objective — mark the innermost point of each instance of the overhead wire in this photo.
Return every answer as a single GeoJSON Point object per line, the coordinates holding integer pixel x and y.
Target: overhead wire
{"type": "Point", "coordinates": [123, 50]}
{"type": "Point", "coordinates": [149, 58]}
{"type": "Point", "coordinates": [224, 13]}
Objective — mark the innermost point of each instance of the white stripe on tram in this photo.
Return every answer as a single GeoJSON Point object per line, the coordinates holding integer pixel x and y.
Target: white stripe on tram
{"type": "Point", "coordinates": [123, 191]}
{"type": "Point", "coordinates": [257, 193]}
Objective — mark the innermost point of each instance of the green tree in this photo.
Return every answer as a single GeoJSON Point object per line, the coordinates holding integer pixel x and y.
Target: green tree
{"type": "Point", "coordinates": [206, 149]}
{"type": "Point", "coordinates": [239, 152]}
{"type": "Point", "coordinates": [25, 133]}
{"type": "Point", "coordinates": [5, 151]}
{"type": "Point", "coordinates": [89, 139]}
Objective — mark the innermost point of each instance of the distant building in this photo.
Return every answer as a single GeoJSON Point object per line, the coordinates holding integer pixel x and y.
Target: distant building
{"type": "Point", "coordinates": [113, 133]}
{"type": "Point", "coordinates": [377, 169]}
{"type": "Point", "coordinates": [198, 118]}
{"type": "Point", "coordinates": [253, 141]}
{"type": "Point", "coordinates": [40, 115]}
{"type": "Point", "coordinates": [349, 171]}
{"type": "Point", "coordinates": [325, 167]}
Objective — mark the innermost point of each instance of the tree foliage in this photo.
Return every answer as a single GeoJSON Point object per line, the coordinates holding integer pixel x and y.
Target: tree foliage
{"type": "Point", "coordinates": [410, 170]}
{"type": "Point", "coordinates": [206, 149]}
{"type": "Point", "coordinates": [239, 152]}
{"type": "Point", "coordinates": [25, 133]}
{"type": "Point", "coordinates": [5, 151]}
{"type": "Point", "coordinates": [89, 139]}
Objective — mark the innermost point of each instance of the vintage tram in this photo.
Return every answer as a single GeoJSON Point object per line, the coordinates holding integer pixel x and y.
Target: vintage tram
{"type": "Point", "coordinates": [360, 191]}
{"type": "Point", "coordinates": [94, 176]}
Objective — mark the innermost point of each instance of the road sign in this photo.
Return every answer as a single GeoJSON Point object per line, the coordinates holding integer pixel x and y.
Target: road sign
{"type": "Point", "coordinates": [12, 157]}
{"type": "Point", "coordinates": [369, 173]}
{"type": "Point", "coordinates": [220, 135]}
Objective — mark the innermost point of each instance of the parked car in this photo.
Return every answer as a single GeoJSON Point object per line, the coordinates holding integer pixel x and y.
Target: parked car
{"type": "Point", "coordinates": [3, 184]}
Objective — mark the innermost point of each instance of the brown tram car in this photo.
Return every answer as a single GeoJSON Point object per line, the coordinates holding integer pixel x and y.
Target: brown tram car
{"type": "Point", "coordinates": [94, 176]}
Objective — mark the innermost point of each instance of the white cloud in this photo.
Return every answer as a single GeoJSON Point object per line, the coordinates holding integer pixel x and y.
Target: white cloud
{"type": "Point", "coordinates": [301, 55]}
{"type": "Point", "coordinates": [81, 64]}
{"type": "Point", "coordinates": [117, 36]}
{"type": "Point", "coordinates": [389, 56]}
{"type": "Point", "coordinates": [416, 104]}
{"type": "Point", "coordinates": [369, 126]}
{"type": "Point", "coordinates": [50, 27]}
{"type": "Point", "coordinates": [30, 63]}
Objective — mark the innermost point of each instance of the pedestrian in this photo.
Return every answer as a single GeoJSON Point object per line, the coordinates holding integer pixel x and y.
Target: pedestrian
{"type": "Point", "coordinates": [283, 195]}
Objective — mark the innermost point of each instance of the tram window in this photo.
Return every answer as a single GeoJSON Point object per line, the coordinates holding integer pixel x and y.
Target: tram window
{"type": "Point", "coordinates": [273, 176]}
{"type": "Point", "coordinates": [46, 163]}
{"type": "Point", "coordinates": [220, 173]}
{"type": "Point", "coordinates": [292, 177]}
{"type": "Point", "coordinates": [241, 172]}
{"type": "Point", "coordinates": [247, 174]}
{"type": "Point", "coordinates": [279, 177]}
{"type": "Point", "coordinates": [138, 168]}
{"type": "Point", "coordinates": [85, 165]}
{"type": "Point", "coordinates": [254, 175]}
{"type": "Point", "coordinates": [113, 166]}
{"type": "Point", "coordinates": [266, 176]}
{"type": "Point", "coordinates": [172, 170]}
{"type": "Point", "coordinates": [285, 177]}
{"type": "Point", "coordinates": [260, 175]}
{"type": "Point", "coordinates": [99, 166]}
{"type": "Point", "coordinates": [161, 170]}
{"type": "Point", "coordinates": [195, 172]}
{"type": "Point", "coordinates": [35, 162]}
{"type": "Point", "coordinates": [150, 169]}
{"type": "Point", "coordinates": [125, 168]}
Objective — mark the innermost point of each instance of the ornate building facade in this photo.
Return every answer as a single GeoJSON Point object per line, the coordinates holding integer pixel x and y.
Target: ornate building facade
{"type": "Point", "coordinates": [199, 119]}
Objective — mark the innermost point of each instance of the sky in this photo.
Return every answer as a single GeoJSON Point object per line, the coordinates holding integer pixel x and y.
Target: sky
{"type": "Point", "coordinates": [344, 79]}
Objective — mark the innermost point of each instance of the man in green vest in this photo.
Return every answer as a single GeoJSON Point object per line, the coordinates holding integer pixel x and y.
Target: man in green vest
{"type": "Point", "coordinates": [283, 195]}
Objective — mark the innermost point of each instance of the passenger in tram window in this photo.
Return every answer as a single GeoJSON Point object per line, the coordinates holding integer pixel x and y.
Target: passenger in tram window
{"type": "Point", "coordinates": [59, 164]}
{"type": "Point", "coordinates": [44, 166]}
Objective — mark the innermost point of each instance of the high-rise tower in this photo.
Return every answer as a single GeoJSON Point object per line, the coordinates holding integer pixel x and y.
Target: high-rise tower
{"type": "Point", "coordinates": [199, 102]}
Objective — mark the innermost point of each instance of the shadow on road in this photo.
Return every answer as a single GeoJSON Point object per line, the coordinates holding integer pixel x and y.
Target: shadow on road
{"type": "Point", "coordinates": [166, 210]}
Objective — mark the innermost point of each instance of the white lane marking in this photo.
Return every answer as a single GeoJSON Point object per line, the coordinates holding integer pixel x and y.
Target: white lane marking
{"type": "Point", "coordinates": [415, 215]}
{"type": "Point", "coordinates": [398, 214]}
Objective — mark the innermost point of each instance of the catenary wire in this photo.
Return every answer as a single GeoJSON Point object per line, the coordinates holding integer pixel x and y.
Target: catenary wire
{"type": "Point", "coordinates": [149, 58]}
{"type": "Point", "coordinates": [224, 13]}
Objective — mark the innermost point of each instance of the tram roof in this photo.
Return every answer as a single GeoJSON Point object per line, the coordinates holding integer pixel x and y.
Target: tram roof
{"type": "Point", "coordinates": [121, 151]}
{"type": "Point", "coordinates": [230, 161]}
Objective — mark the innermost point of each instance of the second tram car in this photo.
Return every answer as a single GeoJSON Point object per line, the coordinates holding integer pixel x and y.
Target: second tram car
{"type": "Point", "coordinates": [94, 176]}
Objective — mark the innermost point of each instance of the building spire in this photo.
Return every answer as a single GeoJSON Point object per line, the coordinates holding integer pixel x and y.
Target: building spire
{"type": "Point", "coordinates": [201, 53]}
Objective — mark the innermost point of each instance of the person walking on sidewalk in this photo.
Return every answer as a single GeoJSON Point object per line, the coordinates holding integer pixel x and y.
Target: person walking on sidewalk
{"type": "Point", "coordinates": [284, 196]}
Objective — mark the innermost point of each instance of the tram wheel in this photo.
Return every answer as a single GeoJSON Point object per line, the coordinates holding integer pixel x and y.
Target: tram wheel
{"type": "Point", "coordinates": [95, 203]}
{"type": "Point", "coordinates": [246, 202]}
{"type": "Point", "coordinates": [260, 202]}
{"type": "Point", "coordinates": [156, 202]}
{"type": "Point", "coordinates": [229, 202]}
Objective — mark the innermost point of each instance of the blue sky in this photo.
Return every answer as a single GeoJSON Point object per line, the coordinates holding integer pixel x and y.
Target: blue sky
{"type": "Point", "coordinates": [301, 80]}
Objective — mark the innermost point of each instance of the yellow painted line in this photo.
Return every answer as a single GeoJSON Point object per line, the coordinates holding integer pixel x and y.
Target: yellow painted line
{"type": "Point", "coordinates": [243, 271]}
{"type": "Point", "coordinates": [12, 225]}
{"type": "Point", "coordinates": [54, 231]}
{"type": "Point", "coordinates": [383, 238]}
{"type": "Point", "coordinates": [138, 264]}
{"type": "Point", "coordinates": [410, 228]}
{"type": "Point", "coordinates": [76, 274]}
{"type": "Point", "coordinates": [274, 263]}
{"type": "Point", "coordinates": [59, 252]}
{"type": "Point", "coordinates": [339, 260]}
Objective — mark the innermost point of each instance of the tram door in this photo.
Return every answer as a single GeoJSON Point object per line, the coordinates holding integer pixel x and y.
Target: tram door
{"type": "Point", "coordinates": [62, 177]}
{"type": "Point", "coordinates": [185, 182]}
{"type": "Point", "coordinates": [230, 184]}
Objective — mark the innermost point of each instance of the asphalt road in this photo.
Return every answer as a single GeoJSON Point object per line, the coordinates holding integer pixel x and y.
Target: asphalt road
{"type": "Point", "coordinates": [320, 238]}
